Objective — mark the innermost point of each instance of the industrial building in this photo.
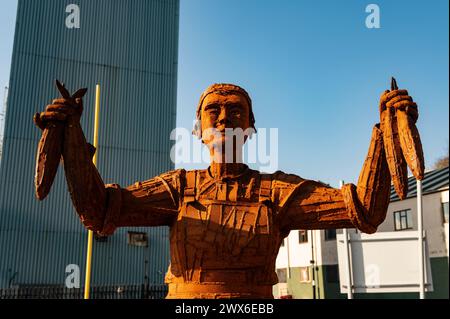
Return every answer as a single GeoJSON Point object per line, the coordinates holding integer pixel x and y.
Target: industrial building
{"type": "Point", "coordinates": [129, 48]}
{"type": "Point", "coordinates": [307, 263]}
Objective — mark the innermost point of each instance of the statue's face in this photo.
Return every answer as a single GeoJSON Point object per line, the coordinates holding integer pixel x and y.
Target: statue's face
{"type": "Point", "coordinates": [220, 112]}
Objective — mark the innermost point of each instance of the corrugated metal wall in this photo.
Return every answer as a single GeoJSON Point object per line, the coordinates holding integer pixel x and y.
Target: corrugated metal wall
{"type": "Point", "coordinates": [131, 49]}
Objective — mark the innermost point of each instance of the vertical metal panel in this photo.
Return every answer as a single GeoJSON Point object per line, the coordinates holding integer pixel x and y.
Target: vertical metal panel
{"type": "Point", "coordinates": [130, 48]}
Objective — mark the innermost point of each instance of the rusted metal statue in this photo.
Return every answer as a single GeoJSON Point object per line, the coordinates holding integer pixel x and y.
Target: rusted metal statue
{"type": "Point", "coordinates": [227, 222]}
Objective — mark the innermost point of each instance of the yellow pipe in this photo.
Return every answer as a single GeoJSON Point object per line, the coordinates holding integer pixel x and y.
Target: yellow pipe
{"type": "Point", "coordinates": [87, 282]}
{"type": "Point", "coordinates": [97, 115]}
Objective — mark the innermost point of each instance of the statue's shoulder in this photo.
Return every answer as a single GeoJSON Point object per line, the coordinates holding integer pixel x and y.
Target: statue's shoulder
{"type": "Point", "coordinates": [281, 178]}
{"type": "Point", "coordinates": [282, 184]}
{"type": "Point", "coordinates": [176, 173]}
{"type": "Point", "coordinates": [284, 180]}
{"type": "Point", "coordinates": [170, 180]}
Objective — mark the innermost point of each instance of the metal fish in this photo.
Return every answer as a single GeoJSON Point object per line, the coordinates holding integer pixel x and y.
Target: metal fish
{"type": "Point", "coordinates": [394, 156]}
{"type": "Point", "coordinates": [50, 147]}
{"type": "Point", "coordinates": [410, 142]}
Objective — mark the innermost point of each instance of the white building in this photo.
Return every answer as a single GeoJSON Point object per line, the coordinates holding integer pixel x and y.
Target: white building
{"type": "Point", "coordinates": [299, 280]}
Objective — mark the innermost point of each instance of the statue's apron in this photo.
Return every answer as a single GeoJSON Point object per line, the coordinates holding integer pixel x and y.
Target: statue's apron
{"type": "Point", "coordinates": [225, 240]}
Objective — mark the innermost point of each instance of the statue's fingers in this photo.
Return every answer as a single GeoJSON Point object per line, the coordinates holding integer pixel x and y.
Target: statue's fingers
{"type": "Point", "coordinates": [392, 94]}
{"type": "Point", "coordinates": [412, 111]}
{"type": "Point", "coordinates": [409, 107]}
{"type": "Point", "coordinates": [382, 105]}
{"type": "Point", "coordinates": [53, 116]}
{"type": "Point", "coordinates": [70, 102]}
{"type": "Point", "coordinates": [37, 120]}
{"type": "Point", "coordinates": [401, 105]}
{"type": "Point", "coordinates": [397, 99]}
{"type": "Point", "coordinates": [62, 108]}
{"type": "Point", "coordinates": [384, 93]}
{"type": "Point", "coordinates": [412, 106]}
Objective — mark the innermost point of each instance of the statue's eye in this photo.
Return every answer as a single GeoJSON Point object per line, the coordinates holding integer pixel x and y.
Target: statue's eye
{"type": "Point", "coordinates": [235, 111]}
{"type": "Point", "coordinates": [214, 112]}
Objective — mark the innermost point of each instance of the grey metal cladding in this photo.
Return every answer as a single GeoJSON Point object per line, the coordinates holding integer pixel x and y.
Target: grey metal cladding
{"type": "Point", "coordinates": [131, 49]}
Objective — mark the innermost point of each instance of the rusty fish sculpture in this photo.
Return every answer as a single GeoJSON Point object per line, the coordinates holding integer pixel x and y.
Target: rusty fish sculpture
{"type": "Point", "coordinates": [401, 141]}
{"type": "Point", "coordinates": [50, 146]}
{"type": "Point", "coordinates": [410, 139]}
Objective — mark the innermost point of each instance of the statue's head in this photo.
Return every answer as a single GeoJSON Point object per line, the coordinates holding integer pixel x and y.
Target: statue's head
{"type": "Point", "coordinates": [221, 107]}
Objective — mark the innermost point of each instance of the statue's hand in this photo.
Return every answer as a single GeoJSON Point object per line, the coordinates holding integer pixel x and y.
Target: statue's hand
{"type": "Point", "coordinates": [66, 110]}
{"type": "Point", "coordinates": [398, 115]}
{"type": "Point", "coordinates": [399, 100]}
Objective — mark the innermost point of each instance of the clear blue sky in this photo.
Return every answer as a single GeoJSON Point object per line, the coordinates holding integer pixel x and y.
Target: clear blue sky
{"type": "Point", "coordinates": [313, 70]}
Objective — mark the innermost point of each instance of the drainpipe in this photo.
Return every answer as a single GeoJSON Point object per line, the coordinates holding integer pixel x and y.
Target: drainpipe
{"type": "Point", "coordinates": [288, 259]}
{"type": "Point", "coordinates": [348, 259]}
{"type": "Point", "coordinates": [420, 231]}
{"type": "Point", "coordinates": [313, 272]}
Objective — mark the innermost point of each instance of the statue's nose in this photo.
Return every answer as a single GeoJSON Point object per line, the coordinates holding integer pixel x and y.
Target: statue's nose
{"type": "Point", "coordinates": [224, 117]}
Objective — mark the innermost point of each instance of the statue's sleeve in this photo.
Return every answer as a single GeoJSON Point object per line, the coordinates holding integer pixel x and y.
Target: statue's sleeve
{"type": "Point", "coordinates": [306, 204]}
{"type": "Point", "coordinates": [313, 205]}
{"type": "Point", "coordinates": [153, 202]}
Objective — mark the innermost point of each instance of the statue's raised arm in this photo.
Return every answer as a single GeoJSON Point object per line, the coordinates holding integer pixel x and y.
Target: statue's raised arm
{"type": "Point", "coordinates": [101, 208]}
{"type": "Point", "coordinates": [395, 143]}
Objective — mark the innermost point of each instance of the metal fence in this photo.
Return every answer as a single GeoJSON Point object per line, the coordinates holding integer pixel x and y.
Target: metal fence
{"type": "Point", "coordinates": [105, 292]}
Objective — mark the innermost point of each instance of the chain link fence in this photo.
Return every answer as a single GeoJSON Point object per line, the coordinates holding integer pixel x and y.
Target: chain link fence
{"type": "Point", "coordinates": [98, 292]}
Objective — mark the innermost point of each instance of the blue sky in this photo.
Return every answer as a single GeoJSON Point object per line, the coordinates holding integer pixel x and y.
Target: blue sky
{"type": "Point", "coordinates": [313, 70]}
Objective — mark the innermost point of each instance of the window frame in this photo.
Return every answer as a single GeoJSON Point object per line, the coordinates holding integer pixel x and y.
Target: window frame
{"type": "Point", "coordinates": [326, 237]}
{"type": "Point", "coordinates": [443, 212]}
{"type": "Point", "coordinates": [134, 240]}
{"type": "Point", "coordinates": [403, 216]}
{"type": "Point", "coordinates": [332, 274]}
{"type": "Point", "coordinates": [304, 270]}
{"type": "Point", "coordinates": [282, 275]}
{"type": "Point", "coordinates": [305, 236]}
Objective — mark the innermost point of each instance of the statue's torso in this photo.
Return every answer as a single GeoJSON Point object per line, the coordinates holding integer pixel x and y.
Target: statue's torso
{"type": "Point", "coordinates": [226, 238]}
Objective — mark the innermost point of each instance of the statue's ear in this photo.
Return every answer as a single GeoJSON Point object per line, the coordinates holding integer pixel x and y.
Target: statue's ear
{"type": "Point", "coordinates": [197, 131]}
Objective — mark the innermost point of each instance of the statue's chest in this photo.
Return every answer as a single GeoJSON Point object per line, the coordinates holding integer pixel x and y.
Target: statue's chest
{"type": "Point", "coordinates": [223, 228]}
{"type": "Point", "coordinates": [219, 232]}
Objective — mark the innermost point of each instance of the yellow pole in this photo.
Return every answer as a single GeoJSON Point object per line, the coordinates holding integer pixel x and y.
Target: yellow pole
{"type": "Point", "coordinates": [87, 282]}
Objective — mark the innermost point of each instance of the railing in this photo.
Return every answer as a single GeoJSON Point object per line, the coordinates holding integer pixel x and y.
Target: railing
{"type": "Point", "coordinates": [97, 292]}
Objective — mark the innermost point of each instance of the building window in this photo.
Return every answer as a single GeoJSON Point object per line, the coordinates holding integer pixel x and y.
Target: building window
{"type": "Point", "coordinates": [137, 239]}
{"type": "Point", "coordinates": [282, 275]}
{"type": "Point", "coordinates": [403, 219]}
{"type": "Point", "coordinates": [302, 236]}
{"type": "Point", "coordinates": [304, 274]}
{"type": "Point", "coordinates": [332, 273]}
{"type": "Point", "coordinates": [330, 234]}
{"type": "Point", "coordinates": [100, 238]}
{"type": "Point", "coordinates": [445, 211]}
